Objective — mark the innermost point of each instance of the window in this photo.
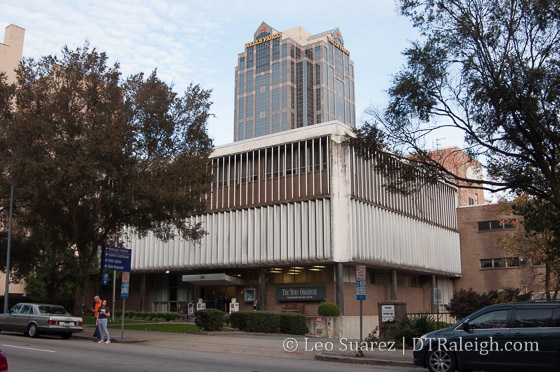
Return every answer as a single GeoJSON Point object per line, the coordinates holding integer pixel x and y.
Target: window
{"type": "Point", "coordinates": [486, 264]}
{"type": "Point", "coordinates": [496, 224]}
{"type": "Point", "coordinates": [26, 309]}
{"type": "Point", "coordinates": [485, 225]}
{"type": "Point", "coordinates": [532, 318]}
{"type": "Point", "coordinates": [492, 319]}
{"type": "Point", "coordinates": [489, 263]}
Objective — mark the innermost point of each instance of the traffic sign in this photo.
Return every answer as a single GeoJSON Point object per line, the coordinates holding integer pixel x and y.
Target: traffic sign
{"type": "Point", "coordinates": [360, 290]}
{"type": "Point", "coordinates": [124, 290]}
{"type": "Point", "coordinates": [117, 259]}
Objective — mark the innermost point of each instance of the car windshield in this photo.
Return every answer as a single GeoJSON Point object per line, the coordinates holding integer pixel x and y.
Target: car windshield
{"type": "Point", "coordinates": [49, 309]}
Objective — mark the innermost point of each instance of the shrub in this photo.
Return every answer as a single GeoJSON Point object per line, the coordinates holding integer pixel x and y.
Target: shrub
{"type": "Point", "coordinates": [239, 319]}
{"type": "Point", "coordinates": [413, 327]}
{"type": "Point", "coordinates": [264, 322]}
{"type": "Point", "coordinates": [209, 319]}
{"type": "Point", "coordinates": [328, 309]}
{"type": "Point", "coordinates": [295, 324]}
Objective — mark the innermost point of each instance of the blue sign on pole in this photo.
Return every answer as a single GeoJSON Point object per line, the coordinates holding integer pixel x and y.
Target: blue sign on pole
{"type": "Point", "coordinates": [117, 259]}
{"type": "Point", "coordinates": [105, 279]}
{"type": "Point", "coordinates": [360, 290]}
{"type": "Point", "coordinates": [124, 290]}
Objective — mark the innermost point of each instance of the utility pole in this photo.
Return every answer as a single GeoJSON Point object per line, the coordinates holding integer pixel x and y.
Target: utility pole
{"type": "Point", "coordinates": [7, 289]}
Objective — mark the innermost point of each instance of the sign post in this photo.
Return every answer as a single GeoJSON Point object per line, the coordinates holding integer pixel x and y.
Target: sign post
{"type": "Point", "coordinates": [118, 259]}
{"type": "Point", "coordinates": [361, 296]}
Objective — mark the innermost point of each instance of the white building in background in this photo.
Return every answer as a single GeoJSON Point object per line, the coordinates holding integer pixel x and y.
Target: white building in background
{"type": "Point", "coordinates": [290, 216]}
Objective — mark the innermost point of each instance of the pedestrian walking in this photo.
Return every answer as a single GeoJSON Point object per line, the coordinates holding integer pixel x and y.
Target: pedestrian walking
{"type": "Point", "coordinates": [95, 309]}
{"type": "Point", "coordinates": [102, 317]}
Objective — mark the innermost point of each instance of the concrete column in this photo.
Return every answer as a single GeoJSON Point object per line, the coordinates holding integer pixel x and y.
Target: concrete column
{"type": "Point", "coordinates": [143, 293]}
{"type": "Point", "coordinates": [394, 285]}
{"type": "Point", "coordinates": [262, 289]}
{"type": "Point", "coordinates": [339, 270]}
{"type": "Point", "coordinates": [434, 285]}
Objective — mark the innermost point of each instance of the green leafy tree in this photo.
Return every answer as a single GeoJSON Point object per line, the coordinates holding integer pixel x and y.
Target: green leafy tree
{"type": "Point", "coordinates": [489, 69]}
{"type": "Point", "coordinates": [91, 154]}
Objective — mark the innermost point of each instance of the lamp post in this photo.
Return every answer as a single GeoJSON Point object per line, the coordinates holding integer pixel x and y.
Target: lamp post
{"type": "Point", "coordinates": [7, 289]}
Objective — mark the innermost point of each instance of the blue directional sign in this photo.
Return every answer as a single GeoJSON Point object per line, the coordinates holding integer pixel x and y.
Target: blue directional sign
{"type": "Point", "coordinates": [117, 259]}
{"type": "Point", "coordinates": [360, 290]}
{"type": "Point", "coordinates": [105, 278]}
{"type": "Point", "coordinates": [124, 290]}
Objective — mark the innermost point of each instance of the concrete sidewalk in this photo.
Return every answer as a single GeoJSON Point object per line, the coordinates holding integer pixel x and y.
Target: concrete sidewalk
{"type": "Point", "coordinates": [258, 344]}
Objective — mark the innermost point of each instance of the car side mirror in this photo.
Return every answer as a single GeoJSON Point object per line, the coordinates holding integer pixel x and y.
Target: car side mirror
{"type": "Point", "coordinates": [467, 327]}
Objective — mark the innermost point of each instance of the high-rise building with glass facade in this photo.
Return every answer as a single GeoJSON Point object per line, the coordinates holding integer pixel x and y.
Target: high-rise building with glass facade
{"type": "Point", "coordinates": [292, 79]}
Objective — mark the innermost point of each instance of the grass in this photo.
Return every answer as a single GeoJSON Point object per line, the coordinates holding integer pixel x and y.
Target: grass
{"type": "Point", "coordinates": [146, 325]}
{"type": "Point", "coordinates": [158, 327]}
{"type": "Point", "coordinates": [89, 320]}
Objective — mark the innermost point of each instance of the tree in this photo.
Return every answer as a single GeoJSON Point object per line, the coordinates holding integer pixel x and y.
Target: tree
{"type": "Point", "coordinates": [490, 69]}
{"type": "Point", "coordinates": [535, 238]}
{"type": "Point", "coordinates": [91, 154]}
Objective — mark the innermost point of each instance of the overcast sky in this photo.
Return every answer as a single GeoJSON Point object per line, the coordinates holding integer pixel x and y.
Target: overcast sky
{"type": "Point", "coordinates": [198, 41]}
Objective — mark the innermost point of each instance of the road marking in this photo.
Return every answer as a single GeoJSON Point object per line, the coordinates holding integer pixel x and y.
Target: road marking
{"type": "Point", "coordinates": [30, 348]}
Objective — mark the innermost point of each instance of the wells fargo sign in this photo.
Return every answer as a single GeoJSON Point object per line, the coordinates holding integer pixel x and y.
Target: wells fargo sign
{"type": "Point", "coordinates": [263, 40]}
{"type": "Point", "coordinates": [336, 45]}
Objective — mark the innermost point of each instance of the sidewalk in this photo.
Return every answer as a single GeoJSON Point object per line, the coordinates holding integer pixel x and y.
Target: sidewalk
{"type": "Point", "coordinates": [258, 344]}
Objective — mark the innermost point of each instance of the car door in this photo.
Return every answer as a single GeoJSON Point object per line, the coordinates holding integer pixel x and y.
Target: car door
{"type": "Point", "coordinates": [481, 345]}
{"type": "Point", "coordinates": [9, 320]}
{"type": "Point", "coordinates": [23, 317]}
{"type": "Point", "coordinates": [533, 339]}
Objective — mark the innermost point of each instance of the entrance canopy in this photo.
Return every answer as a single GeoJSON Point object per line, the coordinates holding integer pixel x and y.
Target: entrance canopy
{"type": "Point", "coordinates": [220, 279]}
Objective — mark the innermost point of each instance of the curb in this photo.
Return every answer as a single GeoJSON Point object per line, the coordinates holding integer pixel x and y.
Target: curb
{"type": "Point", "coordinates": [368, 361]}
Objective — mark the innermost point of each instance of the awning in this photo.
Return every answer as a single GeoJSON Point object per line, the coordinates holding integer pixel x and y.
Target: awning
{"type": "Point", "coordinates": [220, 279]}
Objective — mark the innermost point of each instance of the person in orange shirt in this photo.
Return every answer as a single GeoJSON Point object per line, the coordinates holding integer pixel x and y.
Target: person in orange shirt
{"type": "Point", "coordinates": [97, 305]}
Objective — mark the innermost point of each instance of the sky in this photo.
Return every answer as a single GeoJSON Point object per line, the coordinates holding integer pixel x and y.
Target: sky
{"type": "Point", "coordinates": [199, 41]}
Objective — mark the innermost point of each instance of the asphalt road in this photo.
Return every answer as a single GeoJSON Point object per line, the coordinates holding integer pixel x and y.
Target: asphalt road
{"type": "Point", "coordinates": [83, 355]}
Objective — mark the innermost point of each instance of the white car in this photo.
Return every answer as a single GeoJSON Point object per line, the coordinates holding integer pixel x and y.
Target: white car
{"type": "Point", "coordinates": [34, 319]}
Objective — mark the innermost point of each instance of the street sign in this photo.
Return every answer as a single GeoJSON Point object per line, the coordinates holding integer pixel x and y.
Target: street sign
{"type": "Point", "coordinates": [105, 279]}
{"type": "Point", "coordinates": [125, 277]}
{"type": "Point", "coordinates": [117, 259]}
{"type": "Point", "coordinates": [360, 272]}
{"type": "Point", "coordinates": [360, 290]}
{"type": "Point", "coordinates": [124, 290]}
{"type": "Point", "coordinates": [361, 282]}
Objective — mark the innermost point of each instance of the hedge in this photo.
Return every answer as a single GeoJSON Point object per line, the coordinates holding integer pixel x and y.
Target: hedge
{"type": "Point", "coordinates": [264, 322]}
{"type": "Point", "coordinates": [294, 324]}
{"type": "Point", "coordinates": [239, 319]}
{"type": "Point", "coordinates": [268, 322]}
{"type": "Point", "coordinates": [328, 309]}
{"type": "Point", "coordinates": [209, 319]}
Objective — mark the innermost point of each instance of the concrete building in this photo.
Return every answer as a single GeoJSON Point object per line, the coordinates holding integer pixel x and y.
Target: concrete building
{"type": "Point", "coordinates": [10, 56]}
{"type": "Point", "coordinates": [485, 267]}
{"type": "Point", "coordinates": [290, 215]}
{"type": "Point", "coordinates": [292, 79]}
{"type": "Point", "coordinates": [11, 51]}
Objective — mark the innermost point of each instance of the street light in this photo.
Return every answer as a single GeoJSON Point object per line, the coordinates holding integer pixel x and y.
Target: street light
{"type": "Point", "coordinates": [7, 289]}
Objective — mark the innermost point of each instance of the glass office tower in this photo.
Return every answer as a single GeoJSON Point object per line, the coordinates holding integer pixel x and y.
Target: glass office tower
{"type": "Point", "coordinates": [292, 79]}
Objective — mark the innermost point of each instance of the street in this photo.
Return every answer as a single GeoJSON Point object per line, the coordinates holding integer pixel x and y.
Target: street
{"type": "Point", "coordinates": [82, 354]}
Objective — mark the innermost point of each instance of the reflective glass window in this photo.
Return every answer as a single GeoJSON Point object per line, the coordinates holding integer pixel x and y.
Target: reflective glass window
{"type": "Point", "coordinates": [492, 319]}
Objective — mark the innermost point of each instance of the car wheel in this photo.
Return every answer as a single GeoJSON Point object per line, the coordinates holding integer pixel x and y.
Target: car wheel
{"type": "Point", "coordinates": [66, 336]}
{"type": "Point", "coordinates": [33, 331]}
{"type": "Point", "coordinates": [441, 361]}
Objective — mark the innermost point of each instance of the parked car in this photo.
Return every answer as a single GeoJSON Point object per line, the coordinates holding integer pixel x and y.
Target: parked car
{"type": "Point", "coordinates": [523, 336]}
{"type": "Point", "coordinates": [34, 319]}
